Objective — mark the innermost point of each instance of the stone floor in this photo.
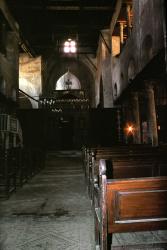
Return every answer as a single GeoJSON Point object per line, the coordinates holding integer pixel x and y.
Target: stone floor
{"type": "Point", "coordinates": [52, 211]}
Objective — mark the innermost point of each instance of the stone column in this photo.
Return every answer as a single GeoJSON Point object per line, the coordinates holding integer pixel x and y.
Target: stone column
{"type": "Point", "coordinates": [152, 121]}
{"type": "Point", "coordinates": [12, 54]}
{"type": "Point", "coordinates": [12, 49]}
{"type": "Point", "coordinates": [136, 117]}
{"type": "Point", "coordinates": [121, 32]}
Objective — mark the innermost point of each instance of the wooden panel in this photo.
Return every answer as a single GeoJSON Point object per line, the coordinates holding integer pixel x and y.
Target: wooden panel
{"type": "Point", "coordinates": [137, 204]}
{"type": "Point", "coordinates": [132, 171]}
{"type": "Point", "coordinates": [141, 204]}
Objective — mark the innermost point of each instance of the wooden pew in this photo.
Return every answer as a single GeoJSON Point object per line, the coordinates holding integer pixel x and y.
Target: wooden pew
{"type": "Point", "coordinates": [89, 157]}
{"type": "Point", "coordinates": [151, 160]}
{"type": "Point", "coordinates": [128, 205]}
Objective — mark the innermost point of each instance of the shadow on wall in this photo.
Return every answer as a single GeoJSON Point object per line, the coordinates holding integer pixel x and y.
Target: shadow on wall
{"type": "Point", "coordinates": [147, 51]}
{"type": "Point", "coordinates": [131, 69]}
{"type": "Point", "coordinates": [24, 101]}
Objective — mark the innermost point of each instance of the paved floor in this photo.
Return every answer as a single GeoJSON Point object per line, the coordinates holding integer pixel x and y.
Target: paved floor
{"type": "Point", "coordinates": [52, 211]}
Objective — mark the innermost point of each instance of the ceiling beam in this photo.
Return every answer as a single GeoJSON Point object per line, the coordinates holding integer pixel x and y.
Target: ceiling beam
{"type": "Point", "coordinates": [15, 27]}
{"type": "Point", "coordinates": [85, 2]}
{"type": "Point", "coordinates": [78, 8]}
{"type": "Point", "coordinates": [12, 23]}
{"type": "Point", "coordinates": [40, 46]}
{"type": "Point", "coordinates": [60, 7]}
{"type": "Point", "coordinates": [71, 29]}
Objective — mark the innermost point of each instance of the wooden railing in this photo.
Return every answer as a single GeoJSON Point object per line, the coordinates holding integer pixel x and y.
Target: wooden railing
{"type": "Point", "coordinates": [17, 166]}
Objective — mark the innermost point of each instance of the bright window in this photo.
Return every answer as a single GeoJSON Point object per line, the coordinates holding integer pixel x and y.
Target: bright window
{"type": "Point", "coordinates": [70, 46]}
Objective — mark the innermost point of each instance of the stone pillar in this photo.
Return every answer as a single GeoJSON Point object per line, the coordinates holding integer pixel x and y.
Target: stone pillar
{"type": "Point", "coordinates": [12, 54]}
{"type": "Point", "coordinates": [122, 32]}
{"type": "Point", "coordinates": [136, 117]}
{"type": "Point", "coordinates": [152, 121]}
{"type": "Point", "coordinates": [12, 49]}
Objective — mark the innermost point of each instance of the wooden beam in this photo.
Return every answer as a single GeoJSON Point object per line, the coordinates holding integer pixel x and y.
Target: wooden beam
{"type": "Point", "coordinates": [12, 23]}
{"type": "Point", "coordinates": [15, 27]}
{"type": "Point", "coordinates": [60, 7]}
{"type": "Point", "coordinates": [115, 15]}
{"type": "Point", "coordinates": [77, 8]}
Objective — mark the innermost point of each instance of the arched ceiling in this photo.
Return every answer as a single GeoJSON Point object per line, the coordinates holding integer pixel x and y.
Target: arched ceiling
{"type": "Point", "coordinates": [46, 24]}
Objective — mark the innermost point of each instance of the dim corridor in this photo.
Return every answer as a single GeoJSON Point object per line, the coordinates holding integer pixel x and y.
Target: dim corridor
{"type": "Point", "coordinates": [52, 211]}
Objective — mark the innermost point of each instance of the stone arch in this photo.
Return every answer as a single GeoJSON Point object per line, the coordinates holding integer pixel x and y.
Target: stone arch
{"type": "Point", "coordinates": [68, 81]}
{"type": "Point", "coordinates": [56, 66]}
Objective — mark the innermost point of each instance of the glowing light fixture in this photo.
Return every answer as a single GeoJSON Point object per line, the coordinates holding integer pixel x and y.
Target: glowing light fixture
{"type": "Point", "coordinates": [130, 129]}
{"type": "Point", "coordinates": [70, 46]}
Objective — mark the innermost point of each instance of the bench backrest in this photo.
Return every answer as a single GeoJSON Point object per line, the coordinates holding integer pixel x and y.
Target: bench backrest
{"type": "Point", "coordinates": [137, 204]}
{"type": "Point", "coordinates": [134, 204]}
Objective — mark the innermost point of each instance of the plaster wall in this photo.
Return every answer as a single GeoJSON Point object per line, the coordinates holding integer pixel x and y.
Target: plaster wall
{"type": "Point", "coordinates": [148, 29]}
{"type": "Point", "coordinates": [146, 40]}
{"type": "Point", "coordinates": [30, 77]}
{"type": "Point", "coordinates": [103, 75]}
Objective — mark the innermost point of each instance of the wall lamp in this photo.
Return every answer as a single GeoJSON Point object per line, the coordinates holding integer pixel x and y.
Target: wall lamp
{"type": "Point", "coordinates": [130, 129]}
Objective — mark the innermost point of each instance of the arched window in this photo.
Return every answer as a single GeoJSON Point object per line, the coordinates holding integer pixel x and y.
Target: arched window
{"type": "Point", "coordinates": [68, 81]}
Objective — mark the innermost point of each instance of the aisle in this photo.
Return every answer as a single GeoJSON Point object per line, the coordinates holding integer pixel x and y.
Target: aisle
{"type": "Point", "coordinates": [52, 211]}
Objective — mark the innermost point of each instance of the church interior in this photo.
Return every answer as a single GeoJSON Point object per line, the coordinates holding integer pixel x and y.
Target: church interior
{"type": "Point", "coordinates": [83, 125]}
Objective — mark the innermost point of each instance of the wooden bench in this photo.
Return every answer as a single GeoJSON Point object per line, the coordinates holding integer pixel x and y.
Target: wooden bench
{"type": "Point", "coordinates": [150, 163]}
{"type": "Point", "coordinates": [128, 205]}
{"type": "Point", "coordinates": [89, 156]}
